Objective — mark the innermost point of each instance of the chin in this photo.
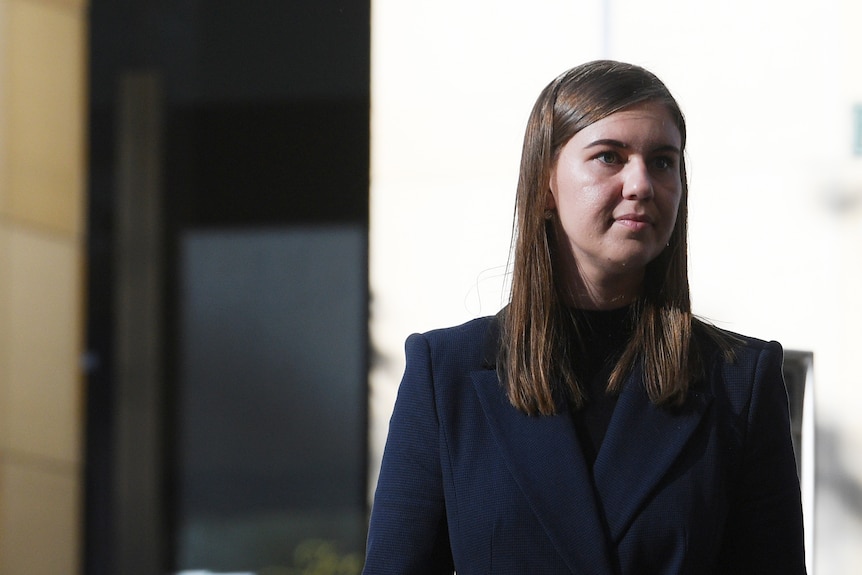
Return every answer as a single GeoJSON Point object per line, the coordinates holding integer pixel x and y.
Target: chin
{"type": "Point", "coordinates": [634, 262]}
{"type": "Point", "coordinates": [637, 258]}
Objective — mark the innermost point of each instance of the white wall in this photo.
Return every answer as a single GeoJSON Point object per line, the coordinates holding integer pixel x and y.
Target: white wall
{"type": "Point", "coordinates": [768, 93]}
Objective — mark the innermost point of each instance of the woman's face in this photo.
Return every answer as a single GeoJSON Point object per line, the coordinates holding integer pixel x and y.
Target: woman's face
{"type": "Point", "coordinates": [616, 187]}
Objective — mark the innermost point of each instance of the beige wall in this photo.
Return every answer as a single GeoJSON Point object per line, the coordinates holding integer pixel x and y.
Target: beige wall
{"type": "Point", "coordinates": [42, 83]}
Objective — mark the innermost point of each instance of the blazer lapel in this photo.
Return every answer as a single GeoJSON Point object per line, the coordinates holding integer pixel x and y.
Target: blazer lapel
{"type": "Point", "coordinates": [641, 444]}
{"type": "Point", "coordinates": [545, 459]}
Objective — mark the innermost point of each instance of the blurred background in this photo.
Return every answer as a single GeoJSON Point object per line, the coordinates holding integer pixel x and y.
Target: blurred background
{"type": "Point", "coordinates": [220, 220]}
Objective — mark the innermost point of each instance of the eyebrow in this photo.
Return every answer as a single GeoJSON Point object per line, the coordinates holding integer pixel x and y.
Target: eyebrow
{"type": "Point", "coordinates": [618, 144]}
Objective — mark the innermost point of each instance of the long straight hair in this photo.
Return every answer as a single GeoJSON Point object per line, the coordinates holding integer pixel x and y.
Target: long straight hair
{"type": "Point", "coordinates": [537, 352]}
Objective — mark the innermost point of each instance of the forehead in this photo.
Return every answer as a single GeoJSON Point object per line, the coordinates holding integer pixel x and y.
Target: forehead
{"type": "Point", "coordinates": [650, 122]}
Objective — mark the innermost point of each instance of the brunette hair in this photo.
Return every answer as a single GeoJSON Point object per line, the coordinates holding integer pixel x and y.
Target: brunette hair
{"type": "Point", "coordinates": [536, 358]}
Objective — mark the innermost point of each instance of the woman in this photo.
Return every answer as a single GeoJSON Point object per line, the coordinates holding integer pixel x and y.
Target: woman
{"type": "Point", "coordinates": [593, 426]}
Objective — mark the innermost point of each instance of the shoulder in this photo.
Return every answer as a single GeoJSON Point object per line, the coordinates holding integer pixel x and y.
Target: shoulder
{"type": "Point", "coordinates": [738, 365]}
{"type": "Point", "coordinates": [464, 344]}
{"type": "Point", "coordinates": [723, 346]}
{"type": "Point", "coordinates": [468, 331]}
{"type": "Point", "coordinates": [440, 364]}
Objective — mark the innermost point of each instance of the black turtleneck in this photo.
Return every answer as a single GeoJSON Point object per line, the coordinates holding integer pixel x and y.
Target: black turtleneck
{"type": "Point", "coordinates": [604, 335]}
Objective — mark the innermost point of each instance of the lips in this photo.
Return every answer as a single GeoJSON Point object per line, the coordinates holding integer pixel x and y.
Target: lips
{"type": "Point", "coordinates": [634, 221]}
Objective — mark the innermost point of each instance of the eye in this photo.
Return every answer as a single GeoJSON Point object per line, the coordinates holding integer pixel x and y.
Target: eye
{"type": "Point", "coordinates": [664, 163]}
{"type": "Point", "coordinates": [608, 157]}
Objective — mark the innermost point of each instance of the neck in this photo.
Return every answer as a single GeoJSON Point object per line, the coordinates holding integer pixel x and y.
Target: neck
{"type": "Point", "coordinates": [605, 292]}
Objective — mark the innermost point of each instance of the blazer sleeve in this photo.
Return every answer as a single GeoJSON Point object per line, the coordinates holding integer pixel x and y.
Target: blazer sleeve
{"type": "Point", "coordinates": [408, 532]}
{"type": "Point", "coordinates": [763, 534]}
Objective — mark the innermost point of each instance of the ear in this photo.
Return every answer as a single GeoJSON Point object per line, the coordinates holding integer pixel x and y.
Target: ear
{"type": "Point", "coordinates": [550, 201]}
{"type": "Point", "coordinates": [551, 197]}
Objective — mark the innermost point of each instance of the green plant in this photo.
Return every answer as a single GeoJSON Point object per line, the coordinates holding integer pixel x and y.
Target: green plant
{"type": "Point", "coordinates": [318, 557]}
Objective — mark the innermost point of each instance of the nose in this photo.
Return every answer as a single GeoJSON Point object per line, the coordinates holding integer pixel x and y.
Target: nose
{"type": "Point", "coordinates": [637, 183]}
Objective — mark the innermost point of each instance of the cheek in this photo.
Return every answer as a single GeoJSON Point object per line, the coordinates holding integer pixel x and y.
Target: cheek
{"type": "Point", "coordinates": [671, 209]}
{"type": "Point", "coordinates": [580, 190]}
{"type": "Point", "coordinates": [668, 198]}
{"type": "Point", "coordinates": [675, 202]}
{"type": "Point", "coordinates": [595, 204]}
{"type": "Point", "coordinates": [579, 204]}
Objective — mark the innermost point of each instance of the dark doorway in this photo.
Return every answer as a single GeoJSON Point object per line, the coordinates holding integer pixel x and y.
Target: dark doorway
{"type": "Point", "coordinates": [227, 316]}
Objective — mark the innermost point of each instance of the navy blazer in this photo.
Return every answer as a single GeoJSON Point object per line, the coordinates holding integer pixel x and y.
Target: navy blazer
{"type": "Point", "coordinates": [470, 484]}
